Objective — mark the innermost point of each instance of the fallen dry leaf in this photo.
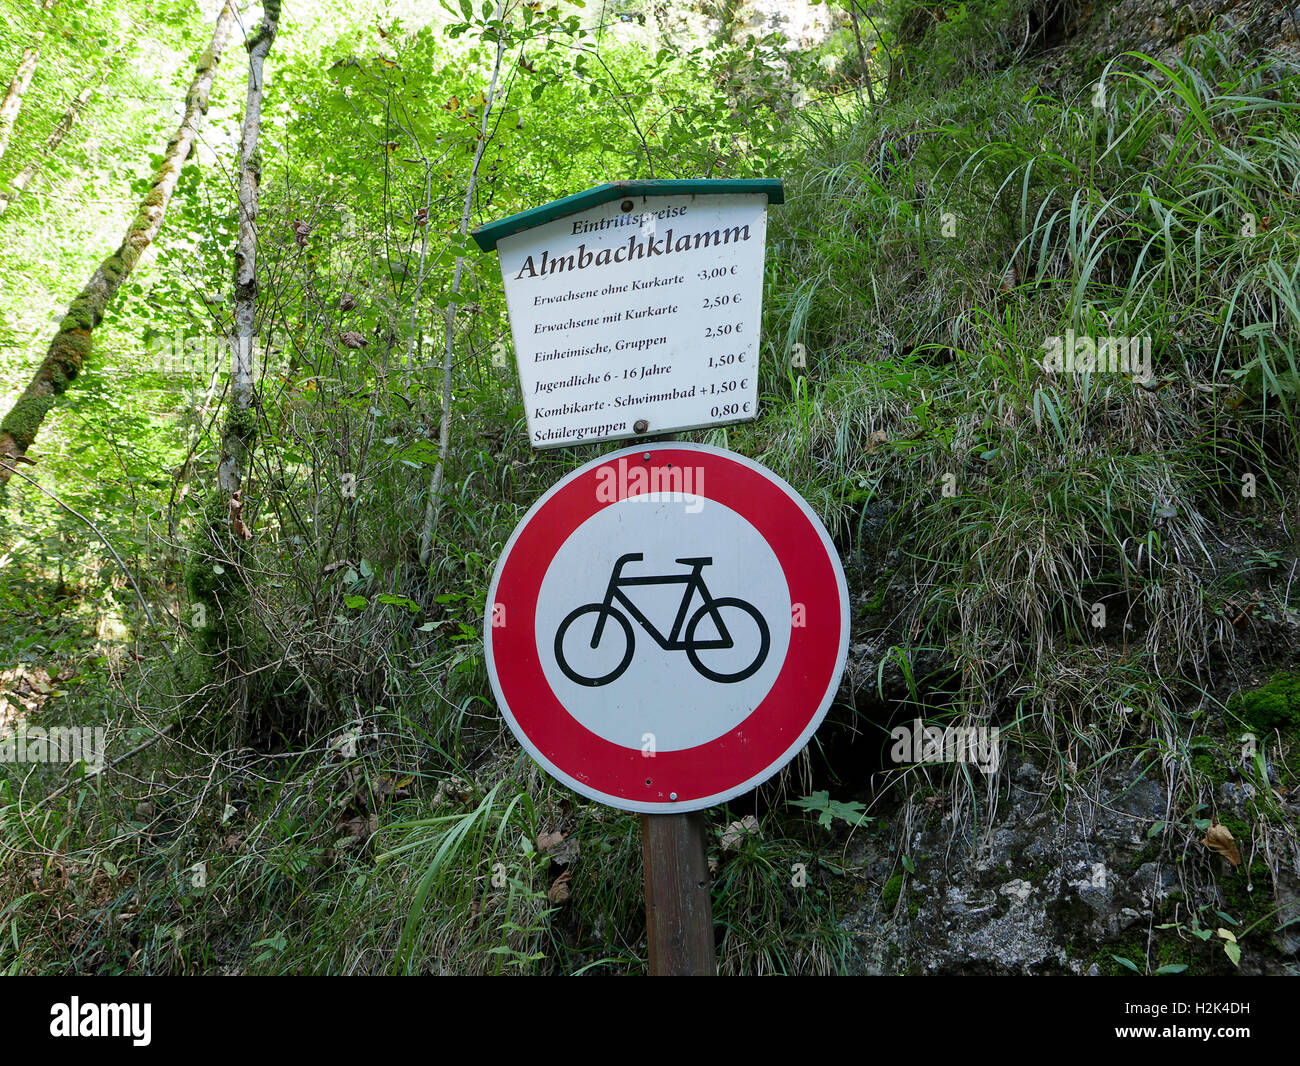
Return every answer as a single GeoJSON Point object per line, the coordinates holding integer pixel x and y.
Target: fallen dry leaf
{"type": "Point", "coordinates": [398, 787]}
{"type": "Point", "coordinates": [363, 827]}
{"type": "Point", "coordinates": [562, 850]}
{"type": "Point", "coordinates": [549, 840]}
{"type": "Point", "coordinates": [1219, 840]}
{"type": "Point", "coordinates": [454, 789]}
{"type": "Point", "coordinates": [736, 832]}
{"type": "Point", "coordinates": [566, 853]}
{"type": "Point", "coordinates": [559, 892]}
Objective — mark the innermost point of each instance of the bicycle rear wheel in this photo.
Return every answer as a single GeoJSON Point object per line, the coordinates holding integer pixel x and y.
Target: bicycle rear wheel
{"type": "Point", "coordinates": [743, 618]}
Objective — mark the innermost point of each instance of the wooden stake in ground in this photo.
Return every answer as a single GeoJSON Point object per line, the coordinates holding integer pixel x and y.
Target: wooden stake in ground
{"type": "Point", "coordinates": [72, 344]}
{"type": "Point", "coordinates": [678, 899]}
{"type": "Point", "coordinates": [678, 895]}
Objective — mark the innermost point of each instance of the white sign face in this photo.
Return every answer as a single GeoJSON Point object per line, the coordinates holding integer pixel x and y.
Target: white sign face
{"type": "Point", "coordinates": [729, 557]}
{"type": "Point", "coordinates": [644, 309]}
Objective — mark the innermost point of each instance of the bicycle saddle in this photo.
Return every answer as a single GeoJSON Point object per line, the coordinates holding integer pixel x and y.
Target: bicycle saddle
{"type": "Point", "coordinates": [696, 562]}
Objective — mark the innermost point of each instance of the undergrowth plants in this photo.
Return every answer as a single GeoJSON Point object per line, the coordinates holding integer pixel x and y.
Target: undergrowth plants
{"type": "Point", "coordinates": [1061, 530]}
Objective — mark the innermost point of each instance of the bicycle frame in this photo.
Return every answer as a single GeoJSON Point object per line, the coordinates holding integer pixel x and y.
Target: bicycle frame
{"type": "Point", "coordinates": [692, 581]}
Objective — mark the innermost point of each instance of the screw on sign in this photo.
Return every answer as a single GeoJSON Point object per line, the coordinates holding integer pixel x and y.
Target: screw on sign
{"type": "Point", "coordinates": [666, 628]}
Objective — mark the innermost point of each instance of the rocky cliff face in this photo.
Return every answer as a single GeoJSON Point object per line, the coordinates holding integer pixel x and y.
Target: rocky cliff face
{"type": "Point", "coordinates": [1048, 867]}
{"type": "Point", "coordinates": [1153, 28]}
{"type": "Point", "coordinates": [1052, 886]}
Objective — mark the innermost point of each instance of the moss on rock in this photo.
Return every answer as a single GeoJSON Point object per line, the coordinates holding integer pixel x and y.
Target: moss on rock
{"type": "Point", "coordinates": [893, 889]}
{"type": "Point", "coordinates": [1275, 705]}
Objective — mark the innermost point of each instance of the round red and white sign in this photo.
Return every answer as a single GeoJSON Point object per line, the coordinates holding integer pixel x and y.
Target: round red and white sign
{"type": "Point", "coordinates": [667, 627]}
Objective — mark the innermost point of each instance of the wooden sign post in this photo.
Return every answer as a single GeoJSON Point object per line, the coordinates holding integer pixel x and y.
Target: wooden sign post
{"type": "Point", "coordinates": [678, 898]}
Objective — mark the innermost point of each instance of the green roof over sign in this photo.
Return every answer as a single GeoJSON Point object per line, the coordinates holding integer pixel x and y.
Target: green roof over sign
{"type": "Point", "coordinates": [486, 237]}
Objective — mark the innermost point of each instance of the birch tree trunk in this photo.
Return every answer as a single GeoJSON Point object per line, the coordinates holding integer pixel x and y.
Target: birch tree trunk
{"type": "Point", "coordinates": [862, 55]}
{"type": "Point", "coordinates": [22, 79]}
{"type": "Point", "coordinates": [237, 435]}
{"type": "Point", "coordinates": [434, 502]}
{"type": "Point", "coordinates": [72, 344]}
{"type": "Point", "coordinates": [23, 179]}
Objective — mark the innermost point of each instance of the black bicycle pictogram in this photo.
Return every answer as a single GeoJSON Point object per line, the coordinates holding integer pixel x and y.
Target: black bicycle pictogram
{"type": "Point", "coordinates": [682, 635]}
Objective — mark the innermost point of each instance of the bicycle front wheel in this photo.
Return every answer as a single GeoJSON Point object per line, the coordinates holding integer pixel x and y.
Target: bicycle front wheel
{"type": "Point", "coordinates": [586, 660]}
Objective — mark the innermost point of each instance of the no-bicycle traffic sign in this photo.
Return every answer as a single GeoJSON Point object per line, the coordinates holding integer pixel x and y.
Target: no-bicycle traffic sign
{"type": "Point", "coordinates": [667, 627]}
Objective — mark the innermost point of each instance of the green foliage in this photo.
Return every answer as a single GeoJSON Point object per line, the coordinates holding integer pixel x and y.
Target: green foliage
{"type": "Point", "coordinates": [892, 891]}
{"type": "Point", "coordinates": [337, 684]}
{"type": "Point", "coordinates": [1274, 705]}
{"type": "Point", "coordinates": [827, 809]}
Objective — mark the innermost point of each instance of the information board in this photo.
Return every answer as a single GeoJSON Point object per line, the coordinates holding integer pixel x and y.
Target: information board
{"type": "Point", "coordinates": [638, 316]}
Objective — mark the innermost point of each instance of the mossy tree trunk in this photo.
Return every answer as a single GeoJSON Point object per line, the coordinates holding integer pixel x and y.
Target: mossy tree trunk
{"type": "Point", "coordinates": [72, 343]}
{"type": "Point", "coordinates": [240, 426]}
{"type": "Point", "coordinates": [22, 80]}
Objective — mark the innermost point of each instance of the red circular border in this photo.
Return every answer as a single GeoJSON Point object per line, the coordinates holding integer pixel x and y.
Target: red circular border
{"type": "Point", "coordinates": [721, 764]}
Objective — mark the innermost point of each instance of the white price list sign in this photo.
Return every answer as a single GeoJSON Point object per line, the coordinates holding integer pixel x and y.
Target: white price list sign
{"type": "Point", "coordinates": [638, 316]}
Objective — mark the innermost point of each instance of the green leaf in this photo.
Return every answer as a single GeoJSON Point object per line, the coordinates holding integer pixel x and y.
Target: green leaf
{"type": "Point", "coordinates": [1126, 962]}
{"type": "Point", "coordinates": [1233, 951]}
{"type": "Point", "coordinates": [909, 865]}
{"type": "Point", "coordinates": [1155, 830]}
{"type": "Point", "coordinates": [398, 601]}
{"type": "Point", "coordinates": [354, 601]}
{"type": "Point", "coordinates": [816, 802]}
{"type": "Point", "coordinates": [1173, 967]}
